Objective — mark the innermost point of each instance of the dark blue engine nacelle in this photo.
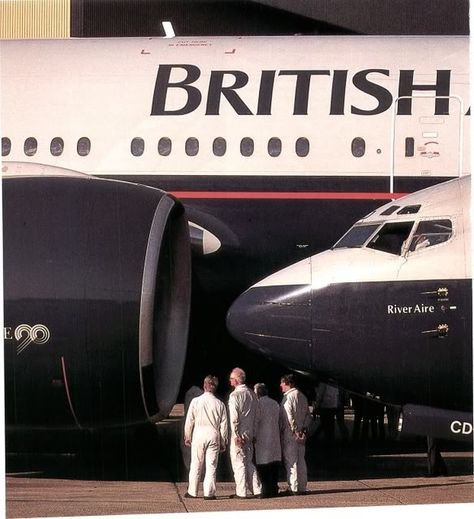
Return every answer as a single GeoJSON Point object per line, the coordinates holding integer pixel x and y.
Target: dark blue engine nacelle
{"type": "Point", "coordinates": [97, 300]}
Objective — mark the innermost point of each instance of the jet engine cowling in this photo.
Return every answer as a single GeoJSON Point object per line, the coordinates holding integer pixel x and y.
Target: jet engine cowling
{"type": "Point", "coordinates": [97, 281]}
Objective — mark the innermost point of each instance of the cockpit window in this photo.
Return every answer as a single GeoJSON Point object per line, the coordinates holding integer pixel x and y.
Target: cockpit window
{"type": "Point", "coordinates": [431, 233]}
{"type": "Point", "coordinates": [357, 236]}
{"type": "Point", "coordinates": [390, 210]}
{"type": "Point", "coordinates": [391, 237]}
{"type": "Point", "coordinates": [409, 209]}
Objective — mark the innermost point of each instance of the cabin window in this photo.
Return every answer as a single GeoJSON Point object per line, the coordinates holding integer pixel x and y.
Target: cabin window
{"type": "Point", "coordinates": [356, 236]}
{"type": "Point", "coordinates": [83, 146]}
{"type": "Point", "coordinates": [274, 147]}
{"type": "Point", "coordinates": [192, 147]}
{"type": "Point", "coordinates": [409, 147]}
{"type": "Point", "coordinates": [137, 146]}
{"type": "Point", "coordinates": [358, 147]}
{"type": "Point", "coordinates": [164, 146]}
{"type": "Point", "coordinates": [302, 147]}
{"type": "Point", "coordinates": [391, 237]}
{"type": "Point", "coordinates": [30, 147]}
{"type": "Point", "coordinates": [431, 233]}
{"type": "Point", "coordinates": [6, 146]}
{"type": "Point", "coordinates": [56, 147]}
{"type": "Point", "coordinates": [246, 147]}
{"type": "Point", "coordinates": [219, 147]}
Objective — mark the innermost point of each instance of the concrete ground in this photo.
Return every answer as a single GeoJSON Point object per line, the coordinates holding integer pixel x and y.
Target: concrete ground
{"type": "Point", "coordinates": [39, 497]}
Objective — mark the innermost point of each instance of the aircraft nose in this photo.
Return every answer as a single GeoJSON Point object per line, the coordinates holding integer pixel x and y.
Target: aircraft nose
{"type": "Point", "coordinates": [273, 317]}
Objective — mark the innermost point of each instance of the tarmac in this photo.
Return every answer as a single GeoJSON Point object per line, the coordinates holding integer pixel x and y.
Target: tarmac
{"type": "Point", "coordinates": [152, 480]}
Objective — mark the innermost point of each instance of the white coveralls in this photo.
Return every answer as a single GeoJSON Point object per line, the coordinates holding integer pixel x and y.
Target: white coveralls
{"type": "Point", "coordinates": [191, 393]}
{"type": "Point", "coordinates": [242, 411]}
{"type": "Point", "coordinates": [294, 409]}
{"type": "Point", "coordinates": [206, 427]}
{"type": "Point", "coordinates": [267, 445]}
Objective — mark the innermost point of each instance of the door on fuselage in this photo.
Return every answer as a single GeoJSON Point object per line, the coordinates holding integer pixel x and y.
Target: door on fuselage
{"type": "Point", "coordinates": [424, 143]}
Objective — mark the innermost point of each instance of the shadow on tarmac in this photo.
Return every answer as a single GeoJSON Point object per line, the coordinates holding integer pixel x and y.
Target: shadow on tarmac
{"type": "Point", "coordinates": [153, 453]}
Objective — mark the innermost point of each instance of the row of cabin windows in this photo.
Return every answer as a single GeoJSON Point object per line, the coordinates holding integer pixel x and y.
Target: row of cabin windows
{"type": "Point", "coordinates": [191, 147]}
{"type": "Point", "coordinates": [30, 146]}
{"type": "Point", "coordinates": [219, 147]}
{"type": "Point", "coordinates": [137, 146]}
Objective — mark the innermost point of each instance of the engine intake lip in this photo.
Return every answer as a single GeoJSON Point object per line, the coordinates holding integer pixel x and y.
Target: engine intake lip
{"type": "Point", "coordinates": [164, 309]}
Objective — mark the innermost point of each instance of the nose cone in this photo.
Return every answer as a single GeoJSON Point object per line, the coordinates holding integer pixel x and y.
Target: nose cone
{"type": "Point", "coordinates": [273, 317]}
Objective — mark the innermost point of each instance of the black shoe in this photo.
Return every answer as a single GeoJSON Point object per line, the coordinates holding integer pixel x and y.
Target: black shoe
{"type": "Point", "coordinates": [189, 495]}
{"type": "Point", "coordinates": [235, 496]}
{"type": "Point", "coordinates": [286, 492]}
{"type": "Point", "coordinates": [436, 474]}
{"type": "Point", "coordinates": [210, 498]}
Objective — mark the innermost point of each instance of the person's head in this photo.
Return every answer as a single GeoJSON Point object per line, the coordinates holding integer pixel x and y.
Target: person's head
{"type": "Point", "coordinates": [260, 390]}
{"type": "Point", "coordinates": [287, 382]}
{"type": "Point", "coordinates": [236, 377]}
{"type": "Point", "coordinates": [210, 384]}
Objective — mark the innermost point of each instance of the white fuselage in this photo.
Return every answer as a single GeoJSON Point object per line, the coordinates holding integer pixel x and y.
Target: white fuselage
{"type": "Point", "coordinates": [335, 96]}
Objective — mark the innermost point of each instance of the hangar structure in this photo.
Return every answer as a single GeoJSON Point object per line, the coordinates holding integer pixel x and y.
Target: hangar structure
{"type": "Point", "coordinates": [117, 18]}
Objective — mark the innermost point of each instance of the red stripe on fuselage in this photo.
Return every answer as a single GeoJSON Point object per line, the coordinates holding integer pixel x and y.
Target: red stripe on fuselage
{"type": "Point", "coordinates": [285, 195]}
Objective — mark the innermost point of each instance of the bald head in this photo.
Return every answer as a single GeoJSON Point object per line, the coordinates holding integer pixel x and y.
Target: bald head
{"type": "Point", "coordinates": [237, 376]}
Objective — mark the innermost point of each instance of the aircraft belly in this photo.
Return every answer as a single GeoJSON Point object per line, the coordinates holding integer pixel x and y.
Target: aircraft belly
{"type": "Point", "coordinates": [260, 235]}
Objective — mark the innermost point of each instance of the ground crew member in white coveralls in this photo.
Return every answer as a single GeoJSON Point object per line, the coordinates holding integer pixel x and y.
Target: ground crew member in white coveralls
{"type": "Point", "coordinates": [242, 411]}
{"type": "Point", "coordinates": [206, 431]}
{"type": "Point", "coordinates": [294, 411]}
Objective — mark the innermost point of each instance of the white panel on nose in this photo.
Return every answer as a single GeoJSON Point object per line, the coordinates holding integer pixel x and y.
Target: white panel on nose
{"type": "Point", "coordinates": [296, 274]}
